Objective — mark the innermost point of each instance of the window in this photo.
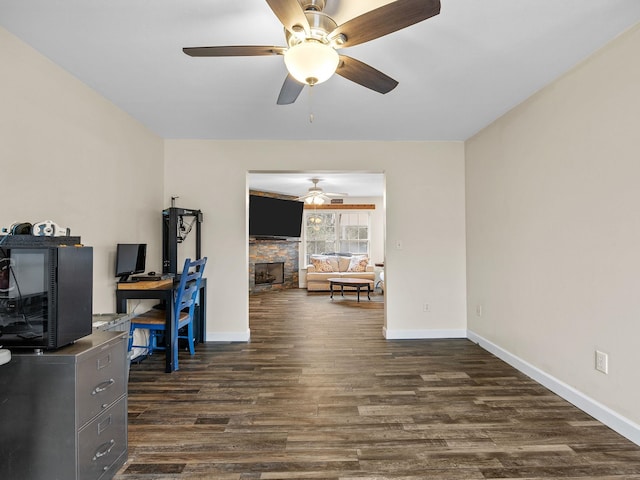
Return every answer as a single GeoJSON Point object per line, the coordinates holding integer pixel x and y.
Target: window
{"type": "Point", "coordinates": [335, 231]}
{"type": "Point", "coordinates": [354, 232]}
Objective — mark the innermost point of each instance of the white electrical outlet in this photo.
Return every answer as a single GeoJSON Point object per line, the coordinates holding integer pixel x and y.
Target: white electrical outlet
{"type": "Point", "coordinates": [399, 245]}
{"type": "Point", "coordinates": [479, 310]}
{"type": "Point", "coordinates": [602, 362]}
{"type": "Point", "coordinates": [425, 307]}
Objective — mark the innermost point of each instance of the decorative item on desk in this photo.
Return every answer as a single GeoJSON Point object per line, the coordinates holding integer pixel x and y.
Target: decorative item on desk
{"type": "Point", "coordinates": [48, 228]}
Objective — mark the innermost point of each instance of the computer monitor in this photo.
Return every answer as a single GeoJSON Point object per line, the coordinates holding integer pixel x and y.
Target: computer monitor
{"type": "Point", "coordinates": [130, 259]}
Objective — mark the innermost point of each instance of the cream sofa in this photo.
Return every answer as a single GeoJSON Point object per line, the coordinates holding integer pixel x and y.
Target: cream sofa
{"type": "Point", "coordinates": [342, 265]}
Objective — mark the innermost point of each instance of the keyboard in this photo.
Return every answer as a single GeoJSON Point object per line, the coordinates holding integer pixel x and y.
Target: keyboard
{"type": "Point", "coordinates": [151, 278]}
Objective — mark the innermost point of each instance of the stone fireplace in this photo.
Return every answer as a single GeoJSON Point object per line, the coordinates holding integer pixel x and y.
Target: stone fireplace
{"type": "Point", "coordinates": [273, 264]}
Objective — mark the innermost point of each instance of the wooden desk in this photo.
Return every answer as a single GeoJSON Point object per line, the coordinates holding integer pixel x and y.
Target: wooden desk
{"type": "Point", "coordinates": [145, 285]}
{"type": "Point", "coordinates": [163, 290]}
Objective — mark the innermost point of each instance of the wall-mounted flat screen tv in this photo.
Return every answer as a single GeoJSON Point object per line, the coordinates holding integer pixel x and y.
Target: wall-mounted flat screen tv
{"type": "Point", "coordinates": [274, 217]}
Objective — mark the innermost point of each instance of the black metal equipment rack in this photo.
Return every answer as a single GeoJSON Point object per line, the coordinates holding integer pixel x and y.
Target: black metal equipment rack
{"type": "Point", "coordinates": [171, 222]}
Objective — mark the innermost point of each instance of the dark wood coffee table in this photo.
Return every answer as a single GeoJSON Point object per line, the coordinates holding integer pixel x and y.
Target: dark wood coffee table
{"type": "Point", "coordinates": [357, 283]}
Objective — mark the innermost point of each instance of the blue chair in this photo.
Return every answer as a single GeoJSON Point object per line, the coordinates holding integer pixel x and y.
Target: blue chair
{"type": "Point", "coordinates": [184, 306]}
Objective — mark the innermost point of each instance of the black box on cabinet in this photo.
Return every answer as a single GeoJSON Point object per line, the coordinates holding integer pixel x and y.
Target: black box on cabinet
{"type": "Point", "coordinates": [46, 293]}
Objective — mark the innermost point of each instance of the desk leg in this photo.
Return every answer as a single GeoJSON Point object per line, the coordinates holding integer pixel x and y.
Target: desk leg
{"type": "Point", "coordinates": [121, 304]}
{"type": "Point", "coordinates": [202, 336]}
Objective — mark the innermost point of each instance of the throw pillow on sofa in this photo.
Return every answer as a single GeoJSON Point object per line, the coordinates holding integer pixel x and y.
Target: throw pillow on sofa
{"type": "Point", "coordinates": [324, 263]}
{"type": "Point", "coordinates": [343, 263]}
{"type": "Point", "coordinates": [358, 263]}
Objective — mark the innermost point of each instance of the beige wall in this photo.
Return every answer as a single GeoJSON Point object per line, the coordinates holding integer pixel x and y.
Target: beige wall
{"type": "Point", "coordinates": [70, 156]}
{"type": "Point", "coordinates": [424, 210]}
{"type": "Point", "coordinates": [553, 228]}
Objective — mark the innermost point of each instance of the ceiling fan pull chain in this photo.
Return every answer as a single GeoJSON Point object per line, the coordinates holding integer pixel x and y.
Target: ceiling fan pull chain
{"type": "Point", "coordinates": [310, 103]}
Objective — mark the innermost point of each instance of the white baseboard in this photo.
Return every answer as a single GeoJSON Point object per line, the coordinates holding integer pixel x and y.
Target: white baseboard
{"type": "Point", "coordinates": [422, 334]}
{"type": "Point", "coordinates": [229, 336]}
{"type": "Point", "coordinates": [602, 413]}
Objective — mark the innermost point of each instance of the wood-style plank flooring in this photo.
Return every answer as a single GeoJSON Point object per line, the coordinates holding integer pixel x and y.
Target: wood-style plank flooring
{"type": "Point", "coordinates": [319, 394]}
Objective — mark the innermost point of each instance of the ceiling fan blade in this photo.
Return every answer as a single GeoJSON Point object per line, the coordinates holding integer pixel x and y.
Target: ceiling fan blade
{"type": "Point", "coordinates": [290, 90]}
{"type": "Point", "coordinates": [328, 194]}
{"type": "Point", "coordinates": [234, 51]}
{"type": "Point", "coordinates": [365, 75]}
{"type": "Point", "coordinates": [386, 19]}
{"type": "Point", "coordinates": [290, 14]}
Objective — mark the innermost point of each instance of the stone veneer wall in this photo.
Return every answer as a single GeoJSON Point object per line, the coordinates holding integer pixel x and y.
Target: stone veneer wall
{"type": "Point", "coordinates": [271, 251]}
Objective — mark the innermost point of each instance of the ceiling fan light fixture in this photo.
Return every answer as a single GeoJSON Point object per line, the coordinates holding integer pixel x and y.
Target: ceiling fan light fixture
{"type": "Point", "coordinates": [314, 200]}
{"type": "Point", "coordinates": [311, 62]}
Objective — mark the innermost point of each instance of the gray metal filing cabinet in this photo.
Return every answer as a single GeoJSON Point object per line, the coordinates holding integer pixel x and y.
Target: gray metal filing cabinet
{"type": "Point", "coordinates": [63, 413]}
{"type": "Point", "coordinates": [112, 322]}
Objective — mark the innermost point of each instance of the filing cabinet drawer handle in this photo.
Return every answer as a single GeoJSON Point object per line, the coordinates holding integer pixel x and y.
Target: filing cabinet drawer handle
{"type": "Point", "coordinates": [104, 449]}
{"type": "Point", "coordinates": [103, 386]}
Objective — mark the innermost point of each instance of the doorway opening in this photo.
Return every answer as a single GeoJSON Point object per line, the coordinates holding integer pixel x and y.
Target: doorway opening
{"type": "Point", "coordinates": [351, 194]}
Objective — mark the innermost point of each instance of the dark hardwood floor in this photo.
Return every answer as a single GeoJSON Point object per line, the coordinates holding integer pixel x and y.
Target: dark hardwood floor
{"type": "Point", "coordinates": [319, 394]}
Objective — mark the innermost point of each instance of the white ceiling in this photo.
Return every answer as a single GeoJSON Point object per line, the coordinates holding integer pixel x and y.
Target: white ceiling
{"type": "Point", "coordinates": [458, 71]}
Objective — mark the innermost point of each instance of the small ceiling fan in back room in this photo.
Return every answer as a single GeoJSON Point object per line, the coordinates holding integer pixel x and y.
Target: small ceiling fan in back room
{"type": "Point", "coordinates": [313, 38]}
{"type": "Point", "coordinates": [317, 196]}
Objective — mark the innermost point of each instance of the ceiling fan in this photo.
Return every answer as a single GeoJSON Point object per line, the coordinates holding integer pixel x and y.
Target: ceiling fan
{"type": "Point", "coordinates": [313, 37]}
{"type": "Point", "coordinates": [317, 196]}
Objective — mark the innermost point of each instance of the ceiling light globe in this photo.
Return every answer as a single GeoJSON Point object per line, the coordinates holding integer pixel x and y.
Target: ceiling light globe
{"type": "Point", "coordinates": [311, 62]}
{"type": "Point", "coordinates": [318, 200]}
